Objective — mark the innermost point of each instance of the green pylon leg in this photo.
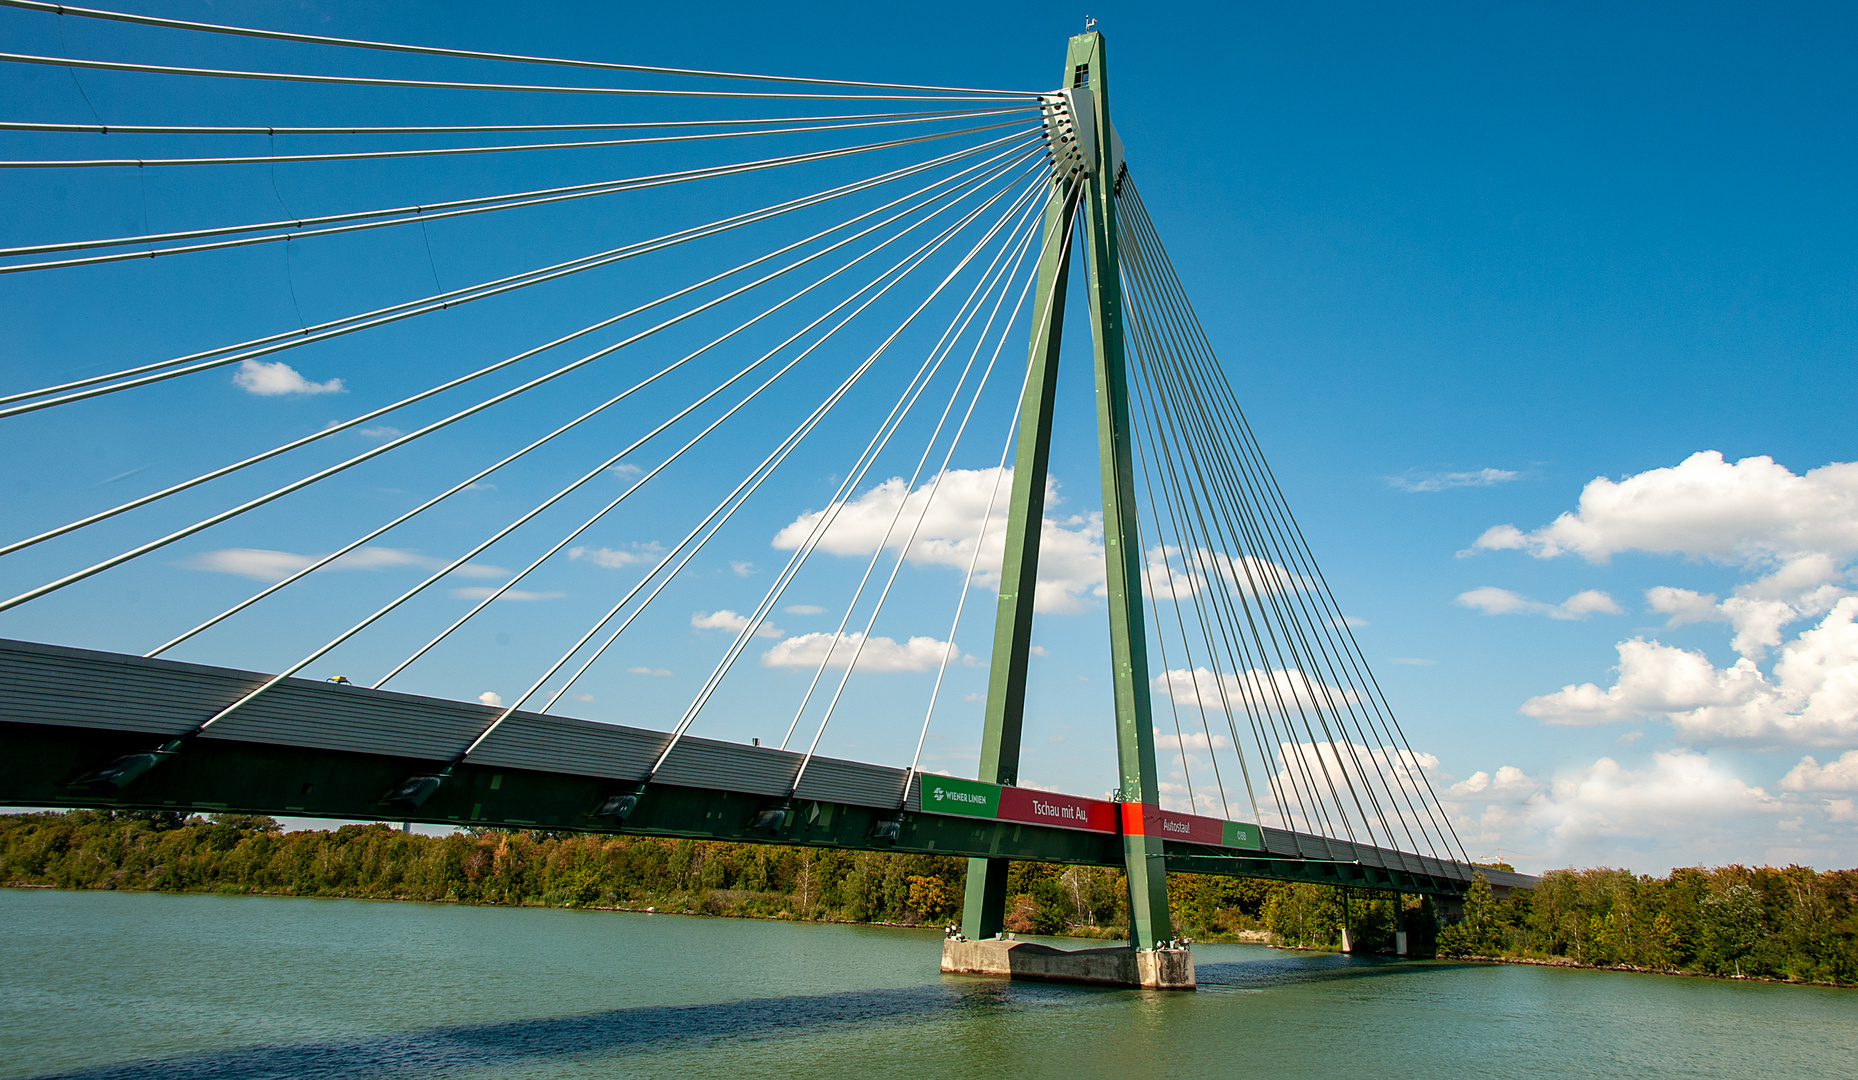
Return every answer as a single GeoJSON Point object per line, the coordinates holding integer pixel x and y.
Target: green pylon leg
{"type": "Point", "coordinates": [1143, 857]}
{"type": "Point", "coordinates": [984, 908]}
{"type": "Point", "coordinates": [985, 903]}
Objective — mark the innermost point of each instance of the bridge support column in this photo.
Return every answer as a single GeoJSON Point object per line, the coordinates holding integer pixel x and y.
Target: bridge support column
{"type": "Point", "coordinates": [1143, 855]}
{"type": "Point", "coordinates": [984, 908]}
{"type": "Point", "coordinates": [984, 913]}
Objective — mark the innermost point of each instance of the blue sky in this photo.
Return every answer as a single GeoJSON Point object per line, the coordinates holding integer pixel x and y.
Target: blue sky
{"type": "Point", "coordinates": [1458, 264]}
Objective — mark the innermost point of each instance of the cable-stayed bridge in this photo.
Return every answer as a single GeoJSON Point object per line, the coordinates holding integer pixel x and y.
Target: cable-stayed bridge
{"type": "Point", "coordinates": [794, 277]}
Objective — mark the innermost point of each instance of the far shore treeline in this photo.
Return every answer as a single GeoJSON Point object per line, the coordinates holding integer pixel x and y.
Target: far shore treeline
{"type": "Point", "coordinates": [1792, 924]}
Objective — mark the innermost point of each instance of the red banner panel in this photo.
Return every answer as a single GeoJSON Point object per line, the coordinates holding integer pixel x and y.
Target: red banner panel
{"type": "Point", "coordinates": [1058, 811]}
{"type": "Point", "coordinates": [1189, 827]}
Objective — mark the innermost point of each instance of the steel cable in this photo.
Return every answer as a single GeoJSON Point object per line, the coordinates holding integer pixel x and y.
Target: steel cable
{"type": "Point", "coordinates": [1003, 281]}
{"type": "Point", "coordinates": [950, 338]}
{"type": "Point", "coordinates": [522, 88]}
{"type": "Point", "coordinates": [590, 522]}
{"type": "Point", "coordinates": [1273, 499]}
{"type": "Point", "coordinates": [274, 343]}
{"type": "Point", "coordinates": [553, 195]}
{"type": "Point", "coordinates": [464, 54]}
{"type": "Point", "coordinates": [450, 384]}
{"type": "Point", "coordinates": [453, 129]}
{"type": "Point", "coordinates": [454, 565]}
{"type": "Point", "coordinates": [456, 151]}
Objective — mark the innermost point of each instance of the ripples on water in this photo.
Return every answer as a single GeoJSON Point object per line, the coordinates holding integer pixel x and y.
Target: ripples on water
{"type": "Point", "coordinates": [120, 985]}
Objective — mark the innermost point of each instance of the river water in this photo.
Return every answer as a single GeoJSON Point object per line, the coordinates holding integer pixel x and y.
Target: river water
{"type": "Point", "coordinates": [153, 986]}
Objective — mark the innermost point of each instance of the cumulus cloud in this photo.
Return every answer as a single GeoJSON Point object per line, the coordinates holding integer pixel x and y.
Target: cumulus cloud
{"type": "Point", "coordinates": [1494, 601]}
{"type": "Point", "coordinates": [1810, 775]}
{"type": "Point", "coordinates": [1171, 573]}
{"type": "Point", "coordinates": [615, 558]}
{"type": "Point", "coordinates": [1256, 691]}
{"type": "Point", "coordinates": [1442, 481]}
{"type": "Point", "coordinates": [1685, 606]}
{"type": "Point", "coordinates": [1812, 698]}
{"type": "Point", "coordinates": [277, 379]}
{"type": "Point", "coordinates": [1703, 507]}
{"type": "Point", "coordinates": [878, 654]}
{"type": "Point", "coordinates": [1070, 549]}
{"type": "Point", "coordinates": [491, 698]}
{"type": "Point", "coordinates": [518, 596]}
{"type": "Point", "coordinates": [1678, 809]}
{"type": "Point", "coordinates": [741, 568]}
{"type": "Point", "coordinates": [657, 672]}
{"type": "Point", "coordinates": [1348, 766]}
{"type": "Point", "coordinates": [1796, 533]}
{"type": "Point", "coordinates": [804, 609]}
{"type": "Point", "coordinates": [724, 619]}
{"type": "Point", "coordinates": [260, 564]}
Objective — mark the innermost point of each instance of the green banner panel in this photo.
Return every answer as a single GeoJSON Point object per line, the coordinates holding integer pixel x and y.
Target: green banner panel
{"type": "Point", "coordinates": [949, 795]}
{"type": "Point", "coordinates": [1239, 835]}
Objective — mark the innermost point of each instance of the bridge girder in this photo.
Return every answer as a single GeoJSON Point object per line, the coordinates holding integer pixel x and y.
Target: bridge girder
{"type": "Point", "coordinates": [230, 776]}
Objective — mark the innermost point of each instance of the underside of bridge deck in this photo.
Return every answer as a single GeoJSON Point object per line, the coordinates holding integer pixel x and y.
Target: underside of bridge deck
{"type": "Point", "coordinates": [222, 775]}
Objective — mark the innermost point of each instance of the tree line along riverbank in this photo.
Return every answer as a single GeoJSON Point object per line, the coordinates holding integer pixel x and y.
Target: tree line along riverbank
{"type": "Point", "coordinates": [1792, 924]}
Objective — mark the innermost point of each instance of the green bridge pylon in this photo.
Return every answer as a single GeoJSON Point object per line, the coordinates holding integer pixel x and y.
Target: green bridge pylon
{"type": "Point", "coordinates": [1086, 176]}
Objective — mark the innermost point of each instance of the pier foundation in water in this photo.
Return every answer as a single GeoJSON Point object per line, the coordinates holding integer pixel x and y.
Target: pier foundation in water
{"type": "Point", "coordinates": [1004, 958]}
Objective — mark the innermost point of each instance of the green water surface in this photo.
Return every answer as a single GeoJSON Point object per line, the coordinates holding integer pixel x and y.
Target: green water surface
{"type": "Point", "coordinates": [100, 984]}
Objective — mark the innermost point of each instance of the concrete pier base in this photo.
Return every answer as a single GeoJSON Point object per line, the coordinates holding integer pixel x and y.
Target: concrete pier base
{"type": "Point", "coordinates": [1156, 969]}
{"type": "Point", "coordinates": [1400, 943]}
{"type": "Point", "coordinates": [1348, 940]}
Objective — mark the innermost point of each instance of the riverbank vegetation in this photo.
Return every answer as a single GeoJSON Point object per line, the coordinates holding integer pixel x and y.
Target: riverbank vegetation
{"type": "Point", "coordinates": [1790, 924]}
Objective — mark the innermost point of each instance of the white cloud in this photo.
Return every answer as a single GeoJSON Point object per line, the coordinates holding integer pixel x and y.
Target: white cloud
{"type": "Point", "coordinates": [1196, 742]}
{"type": "Point", "coordinates": [615, 558]}
{"type": "Point", "coordinates": [625, 469]}
{"type": "Point", "coordinates": [804, 609]}
{"type": "Point", "coordinates": [1510, 784]}
{"type": "Point", "coordinates": [661, 673]}
{"type": "Point", "coordinates": [1811, 700]}
{"type": "Point", "coordinates": [879, 654]}
{"type": "Point", "coordinates": [1348, 765]}
{"type": "Point", "coordinates": [1172, 573]}
{"type": "Point", "coordinates": [261, 564]}
{"type": "Point", "coordinates": [1442, 481]}
{"type": "Point", "coordinates": [724, 619]}
{"type": "Point", "coordinates": [1810, 775]}
{"type": "Point", "coordinates": [1679, 809]}
{"type": "Point", "coordinates": [478, 592]}
{"type": "Point", "coordinates": [382, 432]}
{"type": "Point", "coordinates": [1494, 601]}
{"type": "Point", "coordinates": [1683, 605]}
{"type": "Point", "coordinates": [275, 379]}
{"type": "Point", "coordinates": [1797, 532]}
{"type": "Point", "coordinates": [491, 698]}
{"type": "Point", "coordinates": [742, 568]}
{"type": "Point", "coordinates": [1070, 550]}
{"type": "Point", "coordinates": [1272, 693]}
{"type": "Point", "coordinates": [1704, 507]}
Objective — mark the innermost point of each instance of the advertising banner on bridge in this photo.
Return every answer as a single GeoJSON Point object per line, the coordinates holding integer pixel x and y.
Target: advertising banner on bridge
{"type": "Point", "coordinates": [972, 798]}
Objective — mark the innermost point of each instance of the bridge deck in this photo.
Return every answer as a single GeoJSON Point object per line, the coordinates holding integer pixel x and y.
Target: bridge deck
{"type": "Point", "coordinates": [325, 749]}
